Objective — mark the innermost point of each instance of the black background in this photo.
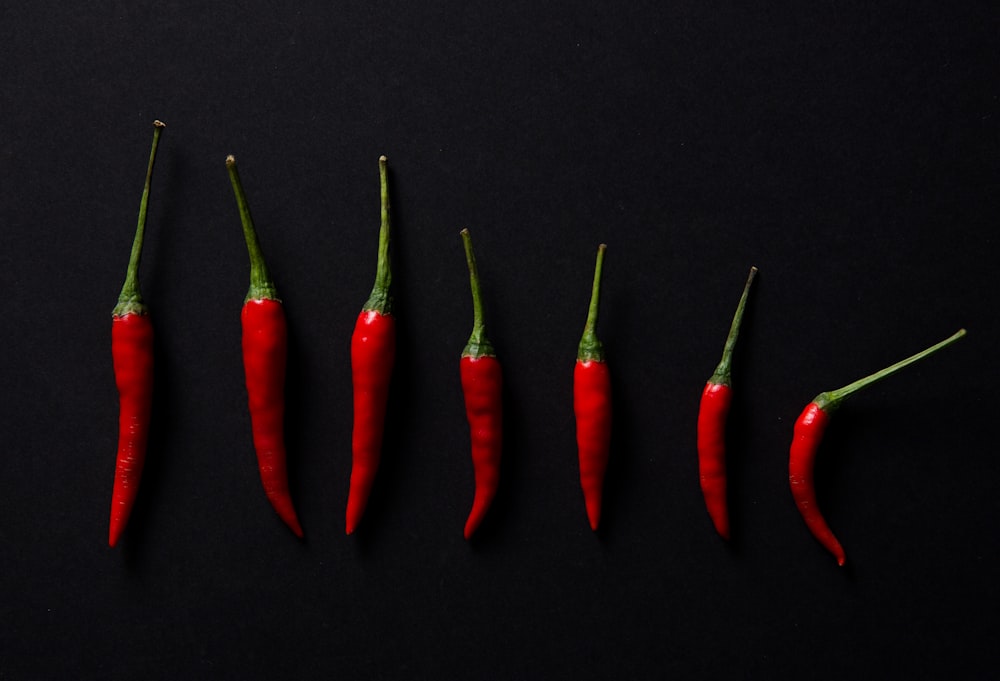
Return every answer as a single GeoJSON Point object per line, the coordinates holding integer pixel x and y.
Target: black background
{"type": "Point", "coordinates": [848, 149]}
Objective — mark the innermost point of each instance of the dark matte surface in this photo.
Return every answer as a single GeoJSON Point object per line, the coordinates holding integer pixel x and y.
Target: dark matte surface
{"type": "Point", "coordinates": [850, 151]}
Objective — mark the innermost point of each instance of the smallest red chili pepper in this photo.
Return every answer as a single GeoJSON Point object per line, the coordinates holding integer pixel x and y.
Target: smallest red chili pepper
{"type": "Point", "coordinates": [482, 384]}
{"type": "Point", "coordinates": [715, 401]}
{"type": "Point", "coordinates": [592, 405]}
{"type": "Point", "coordinates": [809, 429]}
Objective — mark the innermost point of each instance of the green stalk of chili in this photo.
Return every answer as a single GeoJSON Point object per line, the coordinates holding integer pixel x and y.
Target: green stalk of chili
{"type": "Point", "coordinates": [265, 354]}
{"type": "Point", "coordinates": [132, 354]}
{"type": "Point", "coordinates": [373, 353]}
{"type": "Point", "coordinates": [715, 401]}
{"type": "Point", "coordinates": [482, 385]}
{"type": "Point", "coordinates": [808, 434]}
{"type": "Point", "coordinates": [592, 405]}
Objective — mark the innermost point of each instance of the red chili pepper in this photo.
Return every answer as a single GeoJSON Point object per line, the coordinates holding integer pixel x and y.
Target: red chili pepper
{"type": "Point", "coordinates": [482, 384]}
{"type": "Point", "coordinates": [808, 434]}
{"type": "Point", "coordinates": [265, 353]}
{"type": "Point", "coordinates": [132, 354]}
{"type": "Point", "coordinates": [592, 405]}
{"type": "Point", "coordinates": [715, 401]}
{"type": "Point", "coordinates": [373, 351]}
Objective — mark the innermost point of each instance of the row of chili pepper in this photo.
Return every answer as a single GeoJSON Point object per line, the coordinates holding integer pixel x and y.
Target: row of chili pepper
{"type": "Point", "coordinates": [373, 346]}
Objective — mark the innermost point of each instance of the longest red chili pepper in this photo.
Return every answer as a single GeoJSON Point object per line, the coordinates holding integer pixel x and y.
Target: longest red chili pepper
{"type": "Point", "coordinates": [592, 405]}
{"type": "Point", "coordinates": [265, 354]}
{"type": "Point", "coordinates": [482, 384]}
{"type": "Point", "coordinates": [132, 353]}
{"type": "Point", "coordinates": [715, 401]}
{"type": "Point", "coordinates": [808, 434]}
{"type": "Point", "coordinates": [373, 352]}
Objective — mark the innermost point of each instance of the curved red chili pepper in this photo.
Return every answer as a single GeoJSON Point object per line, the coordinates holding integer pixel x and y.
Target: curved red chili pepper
{"type": "Point", "coordinates": [592, 406]}
{"type": "Point", "coordinates": [373, 352]}
{"type": "Point", "coordinates": [482, 385]}
{"type": "Point", "coordinates": [265, 354]}
{"type": "Point", "coordinates": [132, 354]}
{"type": "Point", "coordinates": [808, 434]}
{"type": "Point", "coordinates": [715, 401]}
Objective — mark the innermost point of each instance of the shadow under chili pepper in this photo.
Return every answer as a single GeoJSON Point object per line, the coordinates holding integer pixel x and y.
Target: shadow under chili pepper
{"type": "Point", "coordinates": [620, 464]}
{"type": "Point", "coordinates": [491, 530]}
{"type": "Point", "coordinates": [161, 426]}
{"type": "Point", "coordinates": [388, 481]}
{"type": "Point", "coordinates": [616, 312]}
{"type": "Point", "coordinates": [836, 460]}
{"type": "Point", "coordinates": [296, 419]}
{"type": "Point", "coordinates": [739, 431]}
{"type": "Point", "coordinates": [161, 236]}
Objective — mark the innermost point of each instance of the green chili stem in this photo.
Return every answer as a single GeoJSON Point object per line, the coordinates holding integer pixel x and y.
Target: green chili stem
{"type": "Point", "coordinates": [130, 299]}
{"type": "Point", "coordinates": [261, 285]}
{"type": "Point", "coordinates": [830, 400]}
{"type": "Point", "coordinates": [590, 348]}
{"type": "Point", "coordinates": [380, 300]}
{"type": "Point", "coordinates": [722, 375]}
{"type": "Point", "coordinates": [478, 345]}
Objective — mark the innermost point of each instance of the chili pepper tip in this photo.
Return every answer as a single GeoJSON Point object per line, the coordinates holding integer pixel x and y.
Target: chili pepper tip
{"type": "Point", "coordinates": [230, 160]}
{"type": "Point", "coordinates": [383, 159]}
{"type": "Point", "coordinates": [159, 124]}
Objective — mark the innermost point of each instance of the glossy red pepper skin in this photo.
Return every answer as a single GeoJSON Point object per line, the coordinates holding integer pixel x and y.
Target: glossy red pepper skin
{"type": "Point", "coordinates": [482, 384]}
{"type": "Point", "coordinates": [715, 402]}
{"type": "Point", "coordinates": [806, 438]}
{"type": "Point", "coordinates": [373, 353]}
{"type": "Point", "coordinates": [592, 406]}
{"type": "Point", "coordinates": [265, 356]}
{"type": "Point", "coordinates": [808, 434]}
{"type": "Point", "coordinates": [132, 353]}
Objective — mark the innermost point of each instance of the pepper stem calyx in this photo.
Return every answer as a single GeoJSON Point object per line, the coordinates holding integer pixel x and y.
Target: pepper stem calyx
{"type": "Point", "coordinates": [590, 348]}
{"type": "Point", "coordinates": [478, 345]}
{"type": "Point", "coordinates": [130, 299]}
{"type": "Point", "coordinates": [261, 285]}
{"type": "Point", "coordinates": [723, 373]}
